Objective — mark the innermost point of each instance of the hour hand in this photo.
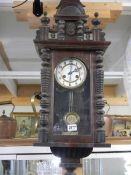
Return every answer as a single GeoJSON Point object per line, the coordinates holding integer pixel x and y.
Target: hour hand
{"type": "Point", "coordinates": [69, 73]}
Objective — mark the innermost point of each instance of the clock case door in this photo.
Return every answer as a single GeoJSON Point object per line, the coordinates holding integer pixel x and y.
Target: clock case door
{"type": "Point", "coordinates": [82, 103]}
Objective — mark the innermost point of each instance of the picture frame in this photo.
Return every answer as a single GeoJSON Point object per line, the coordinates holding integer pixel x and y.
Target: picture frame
{"type": "Point", "coordinates": [27, 124]}
{"type": "Point", "coordinates": [118, 125]}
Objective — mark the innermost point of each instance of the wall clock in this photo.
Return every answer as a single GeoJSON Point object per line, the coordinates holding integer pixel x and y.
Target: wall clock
{"type": "Point", "coordinates": [72, 115]}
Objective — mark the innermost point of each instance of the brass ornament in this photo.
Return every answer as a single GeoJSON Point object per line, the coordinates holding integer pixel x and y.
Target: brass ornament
{"type": "Point", "coordinates": [71, 118]}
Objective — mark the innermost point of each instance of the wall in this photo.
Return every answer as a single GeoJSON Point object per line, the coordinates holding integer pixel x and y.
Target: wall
{"type": "Point", "coordinates": [118, 104]}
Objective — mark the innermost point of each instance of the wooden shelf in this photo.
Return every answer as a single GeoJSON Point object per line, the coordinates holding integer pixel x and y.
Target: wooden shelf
{"type": "Point", "coordinates": [18, 142]}
{"type": "Point", "coordinates": [31, 141]}
{"type": "Point", "coordinates": [108, 12]}
{"type": "Point", "coordinates": [118, 140]}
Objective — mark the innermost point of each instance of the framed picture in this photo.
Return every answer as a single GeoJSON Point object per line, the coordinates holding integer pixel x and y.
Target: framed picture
{"type": "Point", "coordinates": [27, 124]}
{"type": "Point", "coordinates": [120, 126]}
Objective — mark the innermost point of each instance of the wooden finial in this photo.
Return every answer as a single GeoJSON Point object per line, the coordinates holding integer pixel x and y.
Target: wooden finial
{"type": "Point", "coordinates": [45, 20]}
{"type": "Point", "coordinates": [96, 22]}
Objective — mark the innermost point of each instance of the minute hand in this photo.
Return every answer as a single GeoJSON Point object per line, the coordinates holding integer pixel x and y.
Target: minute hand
{"type": "Point", "coordinates": [75, 70]}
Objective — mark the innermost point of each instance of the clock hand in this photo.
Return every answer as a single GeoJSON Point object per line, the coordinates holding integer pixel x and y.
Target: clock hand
{"type": "Point", "coordinates": [70, 72]}
{"type": "Point", "coordinates": [75, 70]}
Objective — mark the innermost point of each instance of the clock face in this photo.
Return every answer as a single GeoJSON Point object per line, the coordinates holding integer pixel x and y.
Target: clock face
{"type": "Point", "coordinates": [70, 73]}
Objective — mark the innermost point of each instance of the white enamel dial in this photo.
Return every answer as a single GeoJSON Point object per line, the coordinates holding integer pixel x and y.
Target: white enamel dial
{"type": "Point", "coordinates": [70, 73]}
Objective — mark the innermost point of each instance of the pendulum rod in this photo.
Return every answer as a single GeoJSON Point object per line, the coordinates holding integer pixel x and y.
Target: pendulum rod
{"type": "Point", "coordinates": [71, 101]}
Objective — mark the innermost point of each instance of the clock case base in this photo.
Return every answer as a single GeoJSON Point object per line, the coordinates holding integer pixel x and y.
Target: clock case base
{"type": "Point", "coordinates": [71, 154]}
{"type": "Point", "coordinates": [75, 145]}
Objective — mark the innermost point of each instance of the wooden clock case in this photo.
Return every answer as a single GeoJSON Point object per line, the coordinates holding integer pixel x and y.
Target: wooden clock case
{"type": "Point", "coordinates": [70, 37]}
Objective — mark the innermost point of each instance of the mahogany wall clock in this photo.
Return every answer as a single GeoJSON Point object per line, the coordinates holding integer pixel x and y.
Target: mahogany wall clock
{"type": "Point", "coordinates": [71, 120]}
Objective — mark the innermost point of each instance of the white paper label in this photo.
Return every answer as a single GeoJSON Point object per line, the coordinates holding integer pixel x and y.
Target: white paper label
{"type": "Point", "coordinates": [72, 127]}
